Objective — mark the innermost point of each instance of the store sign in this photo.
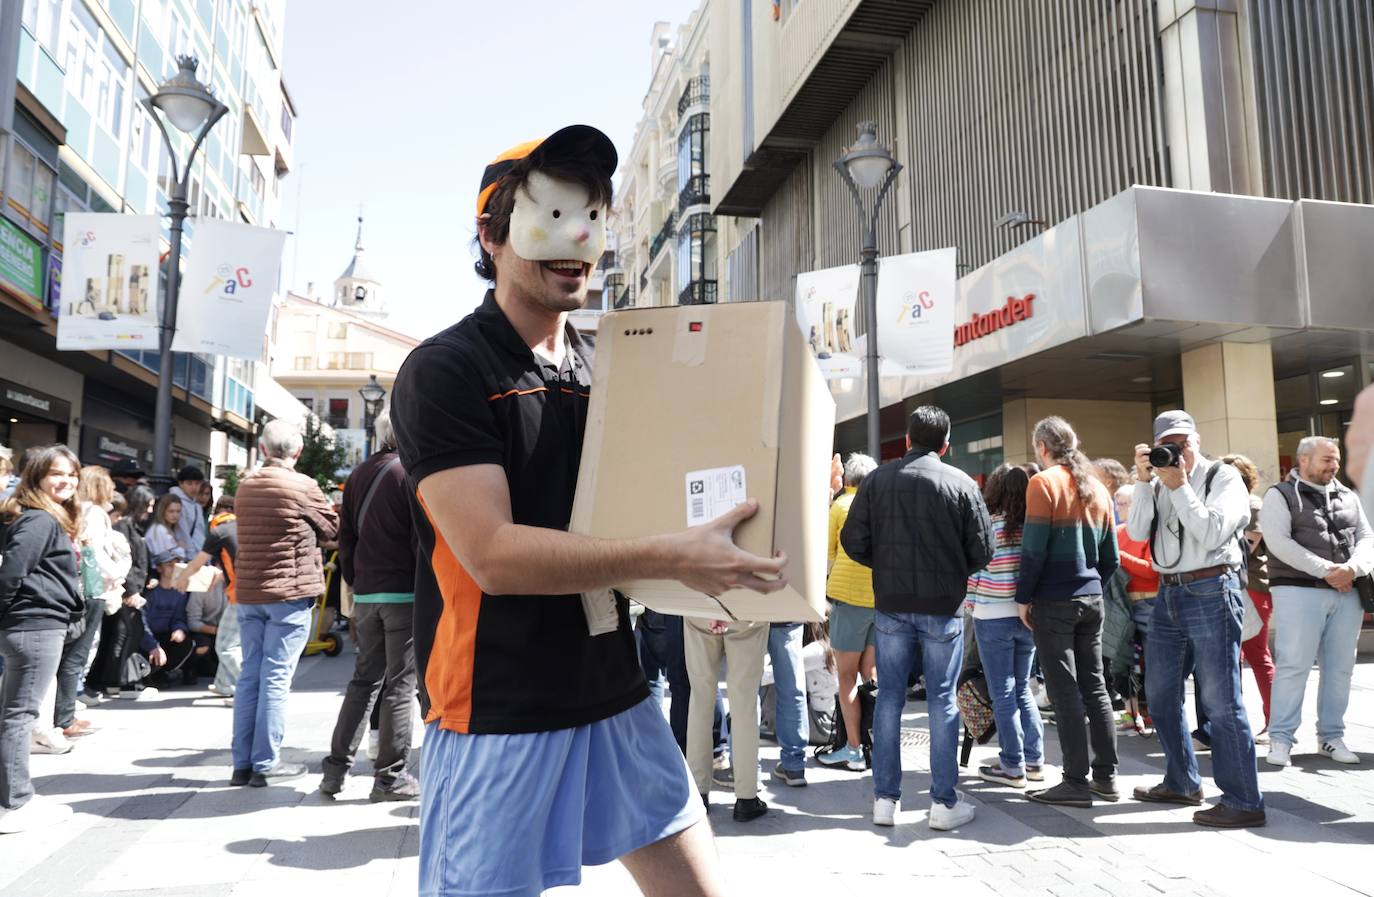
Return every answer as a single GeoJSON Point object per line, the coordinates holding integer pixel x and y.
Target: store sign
{"type": "Point", "coordinates": [21, 262]}
{"type": "Point", "coordinates": [1013, 312]}
{"type": "Point", "coordinates": [110, 266]}
{"type": "Point", "coordinates": [37, 403]}
{"type": "Point", "coordinates": [104, 447]}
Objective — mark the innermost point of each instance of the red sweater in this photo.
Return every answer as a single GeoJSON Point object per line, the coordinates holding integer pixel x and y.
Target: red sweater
{"type": "Point", "coordinates": [1135, 558]}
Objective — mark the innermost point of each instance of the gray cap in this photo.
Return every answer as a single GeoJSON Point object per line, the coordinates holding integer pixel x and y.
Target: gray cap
{"type": "Point", "coordinates": [1171, 423]}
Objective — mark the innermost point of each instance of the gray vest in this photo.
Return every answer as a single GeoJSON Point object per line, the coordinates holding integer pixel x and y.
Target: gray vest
{"type": "Point", "coordinates": [1317, 527]}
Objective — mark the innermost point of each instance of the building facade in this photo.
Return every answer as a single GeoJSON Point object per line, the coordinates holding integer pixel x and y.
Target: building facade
{"type": "Point", "coordinates": [1185, 188]}
{"type": "Point", "coordinates": [74, 137]}
{"type": "Point", "coordinates": [667, 250]}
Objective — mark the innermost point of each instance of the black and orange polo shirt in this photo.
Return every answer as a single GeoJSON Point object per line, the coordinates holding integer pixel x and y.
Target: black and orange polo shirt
{"type": "Point", "coordinates": [476, 394]}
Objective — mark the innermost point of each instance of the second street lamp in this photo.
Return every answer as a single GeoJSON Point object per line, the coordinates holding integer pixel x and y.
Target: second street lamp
{"type": "Point", "coordinates": [373, 394]}
{"type": "Point", "coordinates": [188, 105]}
{"type": "Point", "coordinates": [868, 166]}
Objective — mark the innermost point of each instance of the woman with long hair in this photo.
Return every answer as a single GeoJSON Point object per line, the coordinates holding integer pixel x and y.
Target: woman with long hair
{"type": "Point", "coordinates": [163, 547]}
{"type": "Point", "coordinates": [105, 561]}
{"type": "Point", "coordinates": [1006, 646]}
{"type": "Point", "coordinates": [1068, 556]}
{"type": "Point", "coordinates": [40, 598]}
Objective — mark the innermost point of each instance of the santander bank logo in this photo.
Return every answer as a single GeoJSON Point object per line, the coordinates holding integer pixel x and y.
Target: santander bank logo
{"type": "Point", "coordinates": [978, 326]}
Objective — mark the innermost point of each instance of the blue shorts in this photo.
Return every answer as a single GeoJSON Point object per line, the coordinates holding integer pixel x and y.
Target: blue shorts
{"type": "Point", "coordinates": [518, 814]}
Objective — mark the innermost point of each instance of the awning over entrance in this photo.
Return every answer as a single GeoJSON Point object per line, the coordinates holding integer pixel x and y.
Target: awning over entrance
{"type": "Point", "coordinates": [1146, 275]}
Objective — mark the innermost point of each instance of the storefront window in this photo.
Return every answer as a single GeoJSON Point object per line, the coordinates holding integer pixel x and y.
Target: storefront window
{"type": "Point", "coordinates": [975, 446]}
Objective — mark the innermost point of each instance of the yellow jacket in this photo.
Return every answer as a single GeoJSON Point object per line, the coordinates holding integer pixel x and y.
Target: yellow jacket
{"type": "Point", "coordinates": [849, 581]}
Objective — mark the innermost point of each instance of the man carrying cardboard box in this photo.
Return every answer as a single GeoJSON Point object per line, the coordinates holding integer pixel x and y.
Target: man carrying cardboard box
{"type": "Point", "coordinates": [542, 750]}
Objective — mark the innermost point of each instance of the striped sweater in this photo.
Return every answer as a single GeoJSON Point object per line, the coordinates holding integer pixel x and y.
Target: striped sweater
{"type": "Point", "coordinates": [1067, 550]}
{"type": "Point", "coordinates": [992, 590]}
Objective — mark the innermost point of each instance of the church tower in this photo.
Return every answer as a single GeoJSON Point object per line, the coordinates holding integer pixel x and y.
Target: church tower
{"type": "Point", "coordinates": [356, 289]}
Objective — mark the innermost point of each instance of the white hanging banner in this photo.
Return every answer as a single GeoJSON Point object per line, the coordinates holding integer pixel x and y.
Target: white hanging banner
{"type": "Point", "coordinates": [825, 309]}
{"type": "Point", "coordinates": [226, 290]}
{"type": "Point", "coordinates": [916, 294]}
{"type": "Point", "coordinates": [109, 298]}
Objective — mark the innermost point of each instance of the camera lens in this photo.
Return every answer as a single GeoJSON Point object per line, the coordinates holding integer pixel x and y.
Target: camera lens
{"type": "Point", "coordinates": [1165, 455]}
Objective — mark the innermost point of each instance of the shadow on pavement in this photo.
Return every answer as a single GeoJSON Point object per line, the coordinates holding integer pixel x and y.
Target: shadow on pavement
{"type": "Point", "coordinates": [344, 850]}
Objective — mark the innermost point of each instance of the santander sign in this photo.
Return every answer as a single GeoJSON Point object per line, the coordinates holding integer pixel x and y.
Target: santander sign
{"type": "Point", "coordinates": [979, 326]}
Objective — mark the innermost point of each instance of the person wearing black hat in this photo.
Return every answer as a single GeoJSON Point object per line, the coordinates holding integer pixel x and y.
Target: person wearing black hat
{"type": "Point", "coordinates": [1193, 511]}
{"type": "Point", "coordinates": [127, 474]}
{"type": "Point", "coordinates": [543, 750]}
{"type": "Point", "coordinates": [191, 528]}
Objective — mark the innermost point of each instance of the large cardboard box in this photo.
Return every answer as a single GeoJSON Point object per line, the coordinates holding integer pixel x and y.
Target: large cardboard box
{"type": "Point", "coordinates": [694, 409]}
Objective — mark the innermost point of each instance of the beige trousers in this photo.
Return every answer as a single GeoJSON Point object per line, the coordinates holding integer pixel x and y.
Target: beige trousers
{"type": "Point", "coordinates": [743, 646]}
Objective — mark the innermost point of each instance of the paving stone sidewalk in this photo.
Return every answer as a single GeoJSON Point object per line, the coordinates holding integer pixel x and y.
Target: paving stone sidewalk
{"type": "Point", "coordinates": [155, 817]}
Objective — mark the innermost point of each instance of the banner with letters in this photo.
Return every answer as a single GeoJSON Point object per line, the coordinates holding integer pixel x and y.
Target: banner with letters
{"type": "Point", "coordinates": [826, 301]}
{"type": "Point", "coordinates": [916, 295]}
{"type": "Point", "coordinates": [110, 282]}
{"type": "Point", "coordinates": [226, 291]}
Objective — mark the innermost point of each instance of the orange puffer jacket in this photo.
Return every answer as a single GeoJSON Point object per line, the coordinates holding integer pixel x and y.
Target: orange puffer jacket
{"type": "Point", "coordinates": [282, 518]}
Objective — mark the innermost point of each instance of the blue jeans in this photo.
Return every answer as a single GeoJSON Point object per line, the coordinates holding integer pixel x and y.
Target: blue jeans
{"type": "Point", "coordinates": [941, 641]}
{"type": "Point", "coordinates": [1313, 624]}
{"type": "Point", "coordinates": [1006, 648]}
{"type": "Point", "coordinates": [273, 636]}
{"type": "Point", "coordinates": [31, 659]}
{"type": "Point", "coordinates": [651, 639]}
{"type": "Point", "coordinates": [792, 723]}
{"type": "Point", "coordinates": [1197, 625]}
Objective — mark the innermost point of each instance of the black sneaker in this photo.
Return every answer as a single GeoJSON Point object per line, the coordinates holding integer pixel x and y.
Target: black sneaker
{"type": "Point", "coordinates": [723, 777]}
{"type": "Point", "coordinates": [282, 772]}
{"type": "Point", "coordinates": [795, 778]}
{"type": "Point", "coordinates": [330, 785]}
{"type": "Point", "coordinates": [1105, 789]}
{"type": "Point", "coordinates": [1064, 795]}
{"type": "Point", "coordinates": [750, 809]}
{"type": "Point", "coordinates": [403, 787]}
{"type": "Point", "coordinates": [240, 777]}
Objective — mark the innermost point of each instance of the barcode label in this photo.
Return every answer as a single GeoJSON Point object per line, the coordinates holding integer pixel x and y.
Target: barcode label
{"type": "Point", "coordinates": [711, 493]}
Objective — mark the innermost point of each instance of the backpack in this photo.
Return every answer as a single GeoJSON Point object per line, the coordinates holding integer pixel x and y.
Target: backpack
{"type": "Point", "coordinates": [975, 708]}
{"type": "Point", "coordinates": [839, 740]}
{"type": "Point", "coordinates": [821, 723]}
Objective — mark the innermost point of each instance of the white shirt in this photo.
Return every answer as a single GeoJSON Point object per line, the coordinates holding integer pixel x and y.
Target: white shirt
{"type": "Point", "coordinates": [1276, 519]}
{"type": "Point", "coordinates": [1192, 534]}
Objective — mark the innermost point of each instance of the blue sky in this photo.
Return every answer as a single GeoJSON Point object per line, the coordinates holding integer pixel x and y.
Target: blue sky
{"type": "Point", "coordinates": [402, 105]}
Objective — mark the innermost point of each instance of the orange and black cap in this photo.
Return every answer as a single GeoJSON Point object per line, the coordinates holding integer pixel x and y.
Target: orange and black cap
{"type": "Point", "coordinates": [573, 142]}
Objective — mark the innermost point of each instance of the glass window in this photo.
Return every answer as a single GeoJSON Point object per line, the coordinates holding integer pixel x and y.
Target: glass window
{"type": "Point", "coordinates": [19, 177]}
{"type": "Point", "coordinates": [338, 330]}
{"type": "Point", "coordinates": [42, 18]}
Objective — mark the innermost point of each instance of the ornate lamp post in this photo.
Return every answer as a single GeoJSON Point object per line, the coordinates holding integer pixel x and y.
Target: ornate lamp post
{"type": "Point", "coordinates": [190, 107]}
{"type": "Point", "coordinates": [869, 165]}
{"type": "Point", "coordinates": [373, 394]}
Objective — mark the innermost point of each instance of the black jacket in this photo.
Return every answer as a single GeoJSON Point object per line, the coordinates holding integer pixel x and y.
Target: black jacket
{"type": "Point", "coordinates": [39, 586]}
{"type": "Point", "coordinates": [138, 554]}
{"type": "Point", "coordinates": [923, 528]}
{"type": "Point", "coordinates": [377, 554]}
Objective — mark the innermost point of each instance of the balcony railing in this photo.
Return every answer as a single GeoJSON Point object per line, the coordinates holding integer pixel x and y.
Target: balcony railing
{"type": "Point", "coordinates": [626, 297]}
{"type": "Point", "coordinates": [615, 282]}
{"type": "Point", "coordinates": [663, 237]}
{"type": "Point", "coordinates": [696, 93]}
{"type": "Point", "coordinates": [696, 192]}
{"type": "Point", "coordinates": [698, 292]}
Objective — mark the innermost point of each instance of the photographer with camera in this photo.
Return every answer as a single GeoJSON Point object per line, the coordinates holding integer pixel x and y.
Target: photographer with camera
{"type": "Point", "coordinates": [1320, 545]}
{"type": "Point", "coordinates": [1192, 511]}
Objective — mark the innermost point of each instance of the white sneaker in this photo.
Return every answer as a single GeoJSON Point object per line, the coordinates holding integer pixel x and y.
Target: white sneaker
{"type": "Point", "coordinates": [1336, 750]}
{"type": "Point", "coordinates": [374, 743]}
{"type": "Point", "coordinates": [885, 811]}
{"type": "Point", "coordinates": [1279, 754]}
{"type": "Point", "coordinates": [38, 813]}
{"type": "Point", "coordinates": [49, 741]}
{"type": "Point", "coordinates": [945, 819]}
{"type": "Point", "coordinates": [81, 706]}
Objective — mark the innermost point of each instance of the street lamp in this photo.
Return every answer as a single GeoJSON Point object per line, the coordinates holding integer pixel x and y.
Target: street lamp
{"type": "Point", "coordinates": [373, 393]}
{"type": "Point", "coordinates": [188, 105]}
{"type": "Point", "coordinates": [868, 165]}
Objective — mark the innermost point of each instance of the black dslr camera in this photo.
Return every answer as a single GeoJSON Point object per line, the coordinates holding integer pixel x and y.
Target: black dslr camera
{"type": "Point", "coordinates": [1166, 454]}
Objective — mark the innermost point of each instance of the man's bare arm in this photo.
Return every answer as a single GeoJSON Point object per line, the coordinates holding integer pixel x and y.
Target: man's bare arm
{"type": "Point", "coordinates": [470, 509]}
